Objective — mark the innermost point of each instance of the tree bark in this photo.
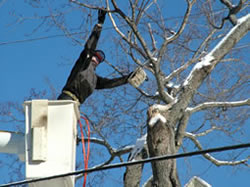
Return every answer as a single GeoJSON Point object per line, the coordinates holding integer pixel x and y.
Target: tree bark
{"type": "Point", "coordinates": [161, 141]}
{"type": "Point", "coordinates": [132, 176]}
{"type": "Point", "coordinates": [161, 134]}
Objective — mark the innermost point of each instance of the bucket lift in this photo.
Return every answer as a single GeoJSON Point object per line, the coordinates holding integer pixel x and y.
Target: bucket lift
{"type": "Point", "coordinates": [48, 146]}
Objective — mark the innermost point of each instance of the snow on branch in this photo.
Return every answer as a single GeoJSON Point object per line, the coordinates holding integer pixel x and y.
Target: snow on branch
{"type": "Point", "coordinates": [210, 157]}
{"type": "Point", "coordinates": [206, 61]}
{"type": "Point", "coordinates": [220, 50]}
{"type": "Point", "coordinates": [140, 142]}
{"type": "Point", "coordinates": [207, 105]}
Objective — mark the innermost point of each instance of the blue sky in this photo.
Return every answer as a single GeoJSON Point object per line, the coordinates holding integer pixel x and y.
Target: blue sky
{"type": "Point", "coordinates": [31, 64]}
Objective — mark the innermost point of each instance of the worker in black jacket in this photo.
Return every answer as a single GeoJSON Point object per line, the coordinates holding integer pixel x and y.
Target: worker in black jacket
{"type": "Point", "coordinates": [83, 79]}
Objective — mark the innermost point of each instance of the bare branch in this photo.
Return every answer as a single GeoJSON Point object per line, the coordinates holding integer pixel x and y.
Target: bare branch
{"type": "Point", "coordinates": [152, 37]}
{"type": "Point", "coordinates": [113, 153]}
{"type": "Point", "coordinates": [181, 29]}
{"type": "Point", "coordinates": [115, 26]}
{"type": "Point", "coordinates": [87, 5]}
{"type": "Point", "coordinates": [206, 132]}
{"type": "Point", "coordinates": [233, 10]}
{"type": "Point", "coordinates": [133, 26]}
{"type": "Point", "coordinates": [207, 105]}
{"type": "Point", "coordinates": [210, 157]}
{"type": "Point", "coordinates": [179, 70]}
{"type": "Point", "coordinates": [64, 29]}
{"type": "Point", "coordinates": [166, 97]}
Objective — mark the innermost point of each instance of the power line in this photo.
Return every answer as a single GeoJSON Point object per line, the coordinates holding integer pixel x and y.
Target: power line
{"type": "Point", "coordinates": [77, 33]}
{"type": "Point", "coordinates": [118, 165]}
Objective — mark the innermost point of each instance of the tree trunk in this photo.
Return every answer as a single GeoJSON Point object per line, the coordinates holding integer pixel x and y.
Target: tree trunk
{"type": "Point", "coordinates": [132, 176]}
{"type": "Point", "coordinates": [161, 141]}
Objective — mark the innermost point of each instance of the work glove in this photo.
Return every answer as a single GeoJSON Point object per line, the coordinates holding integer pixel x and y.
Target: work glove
{"type": "Point", "coordinates": [101, 16]}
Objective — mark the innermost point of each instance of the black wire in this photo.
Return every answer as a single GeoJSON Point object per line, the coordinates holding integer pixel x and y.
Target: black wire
{"type": "Point", "coordinates": [118, 165]}
{"type": "Point", "coordinates": [78, 33]}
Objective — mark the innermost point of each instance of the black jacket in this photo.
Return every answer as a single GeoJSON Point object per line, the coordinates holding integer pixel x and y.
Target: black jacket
{"type": "Point", "coordinates": [83, 79]}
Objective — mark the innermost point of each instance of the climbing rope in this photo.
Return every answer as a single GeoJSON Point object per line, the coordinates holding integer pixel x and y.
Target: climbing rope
{"type": "Point", "coordinates": [85, 155]}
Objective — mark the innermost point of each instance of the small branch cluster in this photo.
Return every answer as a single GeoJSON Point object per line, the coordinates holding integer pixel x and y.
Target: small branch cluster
{"type": "Point", "coordinates": [233, 10]}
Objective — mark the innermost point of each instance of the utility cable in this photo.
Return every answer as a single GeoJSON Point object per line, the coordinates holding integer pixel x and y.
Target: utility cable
{"type": "Point", "coordinates": [78, 33]}
{"type": "Point", "coordinates": [118, 165]}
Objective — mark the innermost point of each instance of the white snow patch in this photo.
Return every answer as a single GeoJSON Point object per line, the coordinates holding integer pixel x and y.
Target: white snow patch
{"type": "Point", "coordinates": [170, 37]}
{"type": "Point", "coordinates": [155, 59]}
{"type": "Point", "coordinates": [155, 119]}
{"type": "Point", "coordinates": [206, 61]}
{"type": "Point", "coordinates": [170, 84]}
{"type": "Point", "coordinates": [140, 142]}
{"type": "Point", "coordinates": [160, 107]}
{"type": "Point", "coordinates": [243, 19]}
{"type": "Point", "coordinates": [197, 181]}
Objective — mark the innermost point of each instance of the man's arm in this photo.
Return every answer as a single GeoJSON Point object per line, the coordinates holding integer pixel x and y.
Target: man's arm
{"type": "Point", "coordinates": [91, 43]}
{"type": "Point", "coordinates": [103, 83]}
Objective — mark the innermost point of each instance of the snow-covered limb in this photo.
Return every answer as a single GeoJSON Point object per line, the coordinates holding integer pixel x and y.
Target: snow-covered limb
{"type": "Point", "coordinates": [210, 157]}
{"type": "Point", "coordinates": [206, 61]}
{"type": "Point", "coordinates": [194, 59]}
{"type": "Point", "coordinates": [206, 105]}
{"type": "Point", "coordinates": [140, 142]}
{"type": "Point", "coordinates": [219, 51]}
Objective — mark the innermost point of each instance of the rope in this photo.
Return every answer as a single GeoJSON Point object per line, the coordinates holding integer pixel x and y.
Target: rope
{"type": "Point", "coordinates": [85, 156]}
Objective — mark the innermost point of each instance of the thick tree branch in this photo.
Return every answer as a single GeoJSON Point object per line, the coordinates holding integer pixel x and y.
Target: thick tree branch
{"type": "Point", "coordinates": [208, 63]}
{"type": "Point", "coordinates": [181, 128]}
{"type": "Point", "coordinates": [210, 157]}
{"type": "Point", "coordinates": [207, 105]}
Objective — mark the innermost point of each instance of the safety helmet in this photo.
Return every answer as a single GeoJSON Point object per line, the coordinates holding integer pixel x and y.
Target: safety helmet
{"type": "Point", "coordinates": [100, 55]}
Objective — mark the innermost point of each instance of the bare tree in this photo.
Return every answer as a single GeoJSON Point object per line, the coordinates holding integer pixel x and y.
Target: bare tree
{"type": "Point", "coordinates": [197, 80]}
